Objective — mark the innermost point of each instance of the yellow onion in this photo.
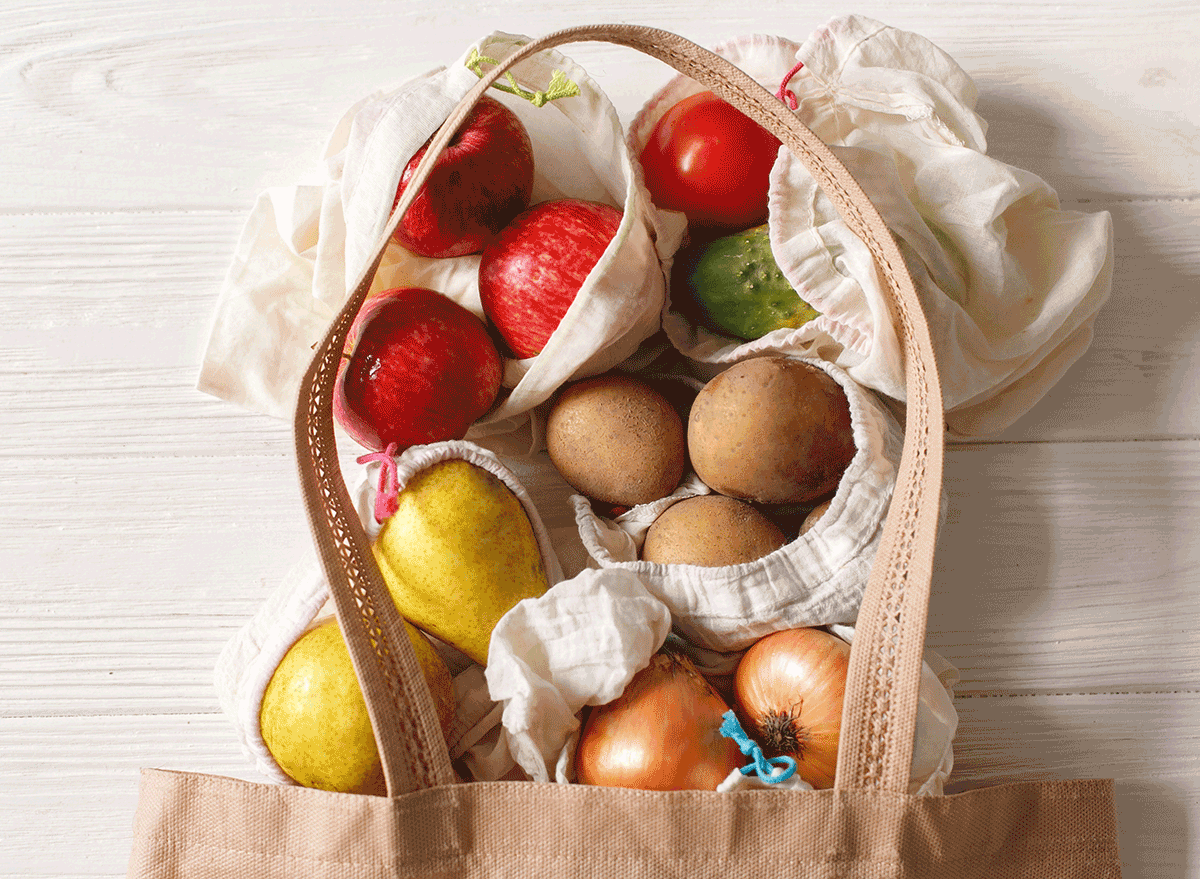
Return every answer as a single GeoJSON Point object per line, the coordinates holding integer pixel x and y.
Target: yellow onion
{"type": "Point", "coordinates": [789, 688]}
{"type": "Point", "coordinates": [662, 733]}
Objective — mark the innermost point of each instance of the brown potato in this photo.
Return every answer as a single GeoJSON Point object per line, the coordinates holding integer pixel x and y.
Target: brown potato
{"type": "Point", "coordinates": [615, 439]}
{"type": "Point", "coordinates": [712, 531]}
{"type": "Point", "coordinates": [814, 515]}
{"type": "Point", "coordinates": [771, 429]}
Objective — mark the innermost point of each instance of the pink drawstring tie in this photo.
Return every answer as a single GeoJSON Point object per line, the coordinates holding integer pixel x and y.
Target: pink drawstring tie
{"type": "Point", "coordinates": [785, 94]}
{"type": "Point", "coordinates": [387, 493]}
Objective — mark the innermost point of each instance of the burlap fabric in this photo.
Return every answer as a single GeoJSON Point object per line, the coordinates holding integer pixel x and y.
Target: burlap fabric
{"type": "Point", "coordinates": [191, 825]}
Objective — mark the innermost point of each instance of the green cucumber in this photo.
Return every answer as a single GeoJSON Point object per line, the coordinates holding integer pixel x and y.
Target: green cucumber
{"type": "Point", "coordinates": [732, 285]}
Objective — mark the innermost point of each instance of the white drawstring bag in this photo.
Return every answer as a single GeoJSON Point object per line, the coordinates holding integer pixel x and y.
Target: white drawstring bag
{"type": "Point", "coordinates": [815, 579]}
{"type": "Point", "coordinates": [302, 245]}
{"type": "Point", "coordinates": [1011, 283]}
{"type": "Point", "coordinates": [583, 641]}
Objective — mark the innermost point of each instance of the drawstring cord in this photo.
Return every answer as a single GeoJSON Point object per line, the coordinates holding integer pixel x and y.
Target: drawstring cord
{"type": "Point", "coordinates": [785, 94]}
{"type": "Point", "coordinates": [764, 767]}
{"type": "Point", "coordinates": [387, 493]}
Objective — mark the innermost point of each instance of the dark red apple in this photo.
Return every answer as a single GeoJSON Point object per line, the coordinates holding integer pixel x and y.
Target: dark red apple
{"type": "Point", "coordinates": [530, 273]}
{"type": "Point", "coordinates": [420, 368]}
{"type": "Point", "coordinates": [480, 182]}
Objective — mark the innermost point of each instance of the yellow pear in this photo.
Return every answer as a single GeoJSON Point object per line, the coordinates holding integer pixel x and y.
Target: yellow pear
{"type": "Point", "coordinates": [458, 553]}
{"type": "Point", "coordinates": [314, 720]}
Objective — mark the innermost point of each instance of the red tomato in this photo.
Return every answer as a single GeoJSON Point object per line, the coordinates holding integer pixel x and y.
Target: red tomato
{"type": "Point", "coordinates": [710, 161]}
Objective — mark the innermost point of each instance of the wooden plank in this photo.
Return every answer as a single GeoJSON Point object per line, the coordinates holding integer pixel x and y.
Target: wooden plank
{"type": "Point", "coordinates": [106, 319]}
{"type": "Point", "coordinates": [65, 780]}
{"type": "Point", "coordinates": [1134, 737]}
{"type": "Point", "coordinates": [115, 607]}
{"type": "Point", "coordinates": [218, 101]}
{"type": "Point", "coordinates": [1092, 130]}
{"type": "Point", "coordinates": [76, 411]}
{"type": "Point", "coordinates": [124, 578]}
{"type": "Point", "coordinates": [1054, 554]}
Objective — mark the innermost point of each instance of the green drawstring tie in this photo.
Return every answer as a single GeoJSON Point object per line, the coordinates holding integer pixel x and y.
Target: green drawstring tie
{"type": "Point", "coordinates": [559, 87]}
{"type": "Point", "coordinates": [731, 729]}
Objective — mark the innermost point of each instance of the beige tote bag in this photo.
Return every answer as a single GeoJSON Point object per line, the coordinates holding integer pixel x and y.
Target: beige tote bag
{"type": "Point", "coordinates": [191, 825]}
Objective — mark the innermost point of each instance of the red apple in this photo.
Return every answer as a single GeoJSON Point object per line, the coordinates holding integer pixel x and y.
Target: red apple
{"type": "Point", "coordinates": [419, 368]}
{"type": "Point", "coordinates": [530, 273]}
{"type": "Point", "coordinates": [480, 182]}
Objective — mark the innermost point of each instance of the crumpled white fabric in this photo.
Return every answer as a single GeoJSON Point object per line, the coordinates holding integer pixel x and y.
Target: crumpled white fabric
{"type": "Point", "coordinates": [737, 780]}
{"type": "Point", "coordinates": [584, 640]}
{"type": "Point", "coordinates": [303, 247]}
{"type": "Point", "coordinates": [816, 579]}
{"type": "Point", "coordinates": [1011, 283]}
{"type": "Point", "coordinates": [579, 644]}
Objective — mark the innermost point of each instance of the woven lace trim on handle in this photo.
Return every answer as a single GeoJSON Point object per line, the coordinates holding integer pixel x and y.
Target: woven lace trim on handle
{"type": "Point", "coordinates": [407, 732]}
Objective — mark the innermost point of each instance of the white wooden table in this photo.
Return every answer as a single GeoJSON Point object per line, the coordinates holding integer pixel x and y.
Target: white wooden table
{"type": "Point", "coordinates": [143, 522]}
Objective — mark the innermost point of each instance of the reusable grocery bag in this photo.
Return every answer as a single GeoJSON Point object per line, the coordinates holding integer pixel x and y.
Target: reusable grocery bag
{"type": "Point", "coordinates": [289, 275]}
{"type": "Point", "coordinates": [429, 825]}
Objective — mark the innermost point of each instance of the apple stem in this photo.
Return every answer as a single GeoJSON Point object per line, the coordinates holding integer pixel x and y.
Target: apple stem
{"type": "Point", "coordinates": [560, 86]}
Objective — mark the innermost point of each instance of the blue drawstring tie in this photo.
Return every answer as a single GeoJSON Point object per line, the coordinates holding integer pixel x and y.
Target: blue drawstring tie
{"type": "Point", "coordinates": [765, 767]}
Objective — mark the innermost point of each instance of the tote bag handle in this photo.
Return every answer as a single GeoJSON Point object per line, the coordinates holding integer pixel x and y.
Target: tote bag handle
{"type": "Point", "coordinates": [879, 717]}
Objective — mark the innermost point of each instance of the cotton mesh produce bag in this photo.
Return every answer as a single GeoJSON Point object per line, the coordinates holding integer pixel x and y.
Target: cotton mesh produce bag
{"type": "Point", "coordinates": [816, 578]}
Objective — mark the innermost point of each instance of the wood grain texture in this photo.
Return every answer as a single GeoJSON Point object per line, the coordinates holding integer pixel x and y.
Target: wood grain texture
{"type": "Point", "coordinates": [1054, 554]}
{"type": "Point", "coordinates": [144, 522]}
{"type": "Point", "coordinates": [118, 313]}
{"type": "Point", "coordinates": [69, 785]}
{"type": "Point", "coordinates": [1148, 742]}
{"type": "Point", "coordinates": [219, 100]}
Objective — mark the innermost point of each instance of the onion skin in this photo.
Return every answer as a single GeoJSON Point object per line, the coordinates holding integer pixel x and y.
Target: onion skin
{"type": "Point", "coordinates": [789, 688]}
{"type": "Point", "coordinates": [662, 733]}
